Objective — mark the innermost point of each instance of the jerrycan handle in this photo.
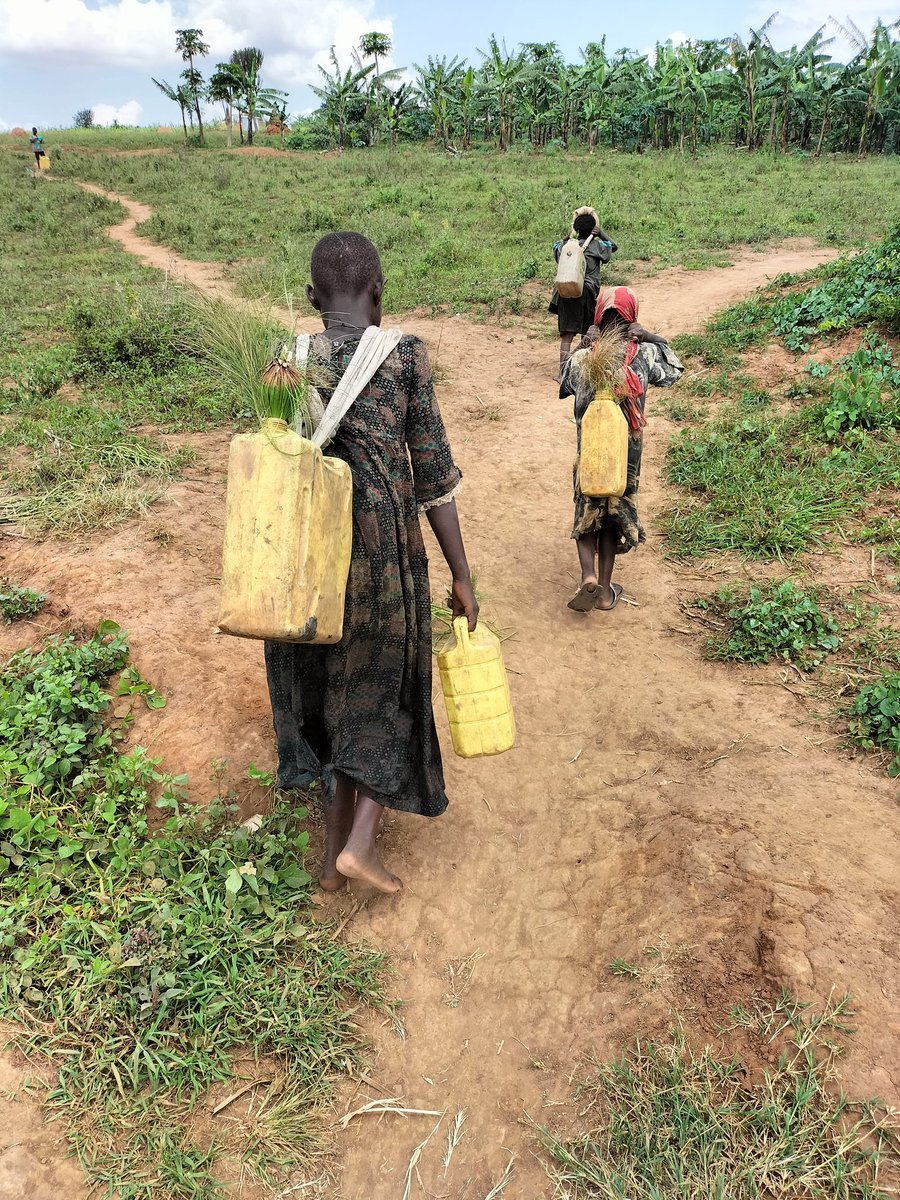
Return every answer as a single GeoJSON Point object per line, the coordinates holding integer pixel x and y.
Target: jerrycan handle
{"type": "Point", "coordinates": [461, 630]}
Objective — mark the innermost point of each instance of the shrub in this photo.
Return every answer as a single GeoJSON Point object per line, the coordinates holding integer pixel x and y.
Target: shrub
{"type": "Point", "coordinates": [855, 403]}
{"type": "Point", "coordinates": [775, 620]}
{"type": "Point", "coordinates": [17, 602]}
{"type": "Point", "coordinates": [129, 328]}
{"type": "Point", "coordinates": [875, 718]}
{"type": "Point", "coordinates": [42, 373]}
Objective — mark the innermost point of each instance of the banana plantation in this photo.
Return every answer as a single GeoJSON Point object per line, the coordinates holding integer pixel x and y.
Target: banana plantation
{"type": "Point", "coordinates": [737, 90]}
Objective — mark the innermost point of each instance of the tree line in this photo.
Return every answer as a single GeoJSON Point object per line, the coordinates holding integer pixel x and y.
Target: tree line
{"type": "Point", "coordinates": [730, 90]}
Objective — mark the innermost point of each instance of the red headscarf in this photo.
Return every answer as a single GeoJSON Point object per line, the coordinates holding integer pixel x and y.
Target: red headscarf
{"type": "Point", "coordinates": [623, 301]}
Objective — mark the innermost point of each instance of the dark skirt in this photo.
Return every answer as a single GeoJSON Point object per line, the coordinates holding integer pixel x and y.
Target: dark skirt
{"type": "Point", "coordinates": [576, 315]}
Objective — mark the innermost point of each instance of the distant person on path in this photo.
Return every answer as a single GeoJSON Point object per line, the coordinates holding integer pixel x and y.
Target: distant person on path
{"type": "Point", "coordinates": [357, 715]}
{"type": "Point", "coordinates": [604, 528]}
{"type": "Point", "coordinates": [37, 145]}
{"type": "Point", "coordinates": [576, 315]}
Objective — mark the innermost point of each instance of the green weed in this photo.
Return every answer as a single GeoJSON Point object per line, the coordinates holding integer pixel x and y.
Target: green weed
{"type": "Point", "coordinates": [875, 718]}
{"type": "Point", "coordinates": [773, 620]}
{"type": "Point", "coordinates": [860, 290]}
{"type": "Point", "coordinates": [672, 1121]}
{"type": "Point", "coordinates": [18, 602]}
{"type": "Point", "coordinates": [137, 962]}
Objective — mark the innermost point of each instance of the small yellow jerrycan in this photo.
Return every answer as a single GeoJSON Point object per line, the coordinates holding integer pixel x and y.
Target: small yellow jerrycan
{"type": "Point", "coordinates": [603, 463]}
{"type": "Point", "coordinates": [45, 163]}
{"type": "Point", "coordinates": [288, 538]}
{"type": "Point", "coordinates": [476, 691]}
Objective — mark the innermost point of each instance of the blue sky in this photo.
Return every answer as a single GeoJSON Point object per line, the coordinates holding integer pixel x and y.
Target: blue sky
{"type": "Point", "coordinates": [57, 56]}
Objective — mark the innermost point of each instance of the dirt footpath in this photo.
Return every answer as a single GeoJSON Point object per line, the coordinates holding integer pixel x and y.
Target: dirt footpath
{"type": "Point", "coordinates": [652, 800]}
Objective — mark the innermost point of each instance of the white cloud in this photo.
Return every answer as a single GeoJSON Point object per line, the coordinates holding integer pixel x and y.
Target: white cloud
{"type": "Point", "coordinates": [677, 39]}
{"type": "Point", "coordinates": [4, 126]}
{"type": "Point", "coordinates": [141, 33]}
{"type": "Point", "coordinates": [796, 26]}
{"type": "Point", "coordinates": [125, 114]}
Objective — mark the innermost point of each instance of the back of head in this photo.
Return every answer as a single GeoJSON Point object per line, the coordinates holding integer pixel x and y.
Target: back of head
{"type": "Point", "coordinates": [584, 224]}
{"type": "Point", "coordinates": [344, 264]}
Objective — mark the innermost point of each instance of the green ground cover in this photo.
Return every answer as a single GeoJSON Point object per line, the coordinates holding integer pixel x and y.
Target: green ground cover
{"type": "Point", "coordinates": [476, 232]}
{"type": "Point", "coordinates": [90, 355]}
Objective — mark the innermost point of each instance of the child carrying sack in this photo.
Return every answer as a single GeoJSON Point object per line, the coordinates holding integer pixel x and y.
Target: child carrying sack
{"type": "Point", "coordinates": [289, 522]}
{"type": "Point", "coordinates": [570, 272]}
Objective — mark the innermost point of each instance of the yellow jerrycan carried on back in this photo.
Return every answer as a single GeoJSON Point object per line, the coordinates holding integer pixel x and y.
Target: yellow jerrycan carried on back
{"type": "Point", "coordinates": [476, 690]}
{"type": "Point", "coordinates": [603, 461]}
{"type": "Point", "coordinates": [288, 535]}
{"type": "Point", "coordinates": [289, 520]}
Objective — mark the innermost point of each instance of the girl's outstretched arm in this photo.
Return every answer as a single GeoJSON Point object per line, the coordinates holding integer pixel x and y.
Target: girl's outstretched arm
{"type": "Point", "coordinates": [444, 521]}
{"type": "Point", "coordinates": [636, 330]}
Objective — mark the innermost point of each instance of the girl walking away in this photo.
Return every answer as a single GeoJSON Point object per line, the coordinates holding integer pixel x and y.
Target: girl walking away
{"type": "Point", "coordinates": [357, 715]}
{"type": "Point", "coordinates": [37, 146]}
{"type": "Point", "coordinates": [604, 528]}
{"type": "Point", "coordinates": [577, 314]}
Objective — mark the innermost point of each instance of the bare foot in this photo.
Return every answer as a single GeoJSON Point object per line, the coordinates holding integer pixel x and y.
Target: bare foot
{"type": "Point", "coordinates": [607, 599]}
{"type": "Point", "coordinates": [586, 597]}
{"type": "Point", "coordinates": [331, 880]}
{"type": "Point", "coordinates": [369, 869]}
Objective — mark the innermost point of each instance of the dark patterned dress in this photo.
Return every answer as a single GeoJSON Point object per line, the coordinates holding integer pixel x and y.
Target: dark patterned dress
{"type": "Point", "coordinates": [363, 707]}
{"type": "Point", "coordinates": [653, 364]}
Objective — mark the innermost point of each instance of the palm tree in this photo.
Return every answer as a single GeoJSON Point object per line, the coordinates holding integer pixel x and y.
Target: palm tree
{"type": "Point", "coordinates": [340, 92]}
{"type": "Point", "coordinates": [190, 45]}
{"type": "Point", "coordinates": [375, 45]}
{"type": "Point", "coordinates": [177, 96]}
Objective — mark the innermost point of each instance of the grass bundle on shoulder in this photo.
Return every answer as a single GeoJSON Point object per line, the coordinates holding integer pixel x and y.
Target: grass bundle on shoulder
{"type": "Point", "coordinates": [252, 354]}
{"type": "Point", "coordinates": [604, 361]}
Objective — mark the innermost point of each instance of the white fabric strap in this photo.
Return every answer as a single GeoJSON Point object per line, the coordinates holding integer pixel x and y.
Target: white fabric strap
{"type": "Point", "coordinates": [374, 347]}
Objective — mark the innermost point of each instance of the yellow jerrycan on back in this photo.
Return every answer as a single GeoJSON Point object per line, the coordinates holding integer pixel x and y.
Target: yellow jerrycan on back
{"type": "Point", "coordinates": [603, 461]}
{"type": "Point", "coordinates": [476, 691]}
{"type": "Point", "coordinates": [288, 538]}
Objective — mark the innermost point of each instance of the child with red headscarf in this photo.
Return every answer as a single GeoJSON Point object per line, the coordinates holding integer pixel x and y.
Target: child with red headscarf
{"type": "Point", "coordinates": [605, 527]}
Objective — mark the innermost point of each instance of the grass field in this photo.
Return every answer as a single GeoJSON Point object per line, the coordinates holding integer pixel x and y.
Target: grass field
{"type": "Point", "coordinates": [475, 233]}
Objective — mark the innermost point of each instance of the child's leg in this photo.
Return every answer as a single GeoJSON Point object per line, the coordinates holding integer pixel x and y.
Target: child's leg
{"type": "Point", "coordinates": [339, 810]}
{"type": "Point", "coordinates": [587, 557]}
{"type": "Point", "coordinates": [359, 858]}
{"type": "Point", "coordinates": [606, 555]}
{"type": "Point", "coordinates": [565, 348]}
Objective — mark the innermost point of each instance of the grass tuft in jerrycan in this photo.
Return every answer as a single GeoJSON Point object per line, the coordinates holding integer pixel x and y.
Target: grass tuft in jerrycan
{"type": "Point", "coordinates": [288, 536]}
{"type": "Point", "coordinates": [476, 691]}
{"type": "Point", "coordinates": [603, 461]}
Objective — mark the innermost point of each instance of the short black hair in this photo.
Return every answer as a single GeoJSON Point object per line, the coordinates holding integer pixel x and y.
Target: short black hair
{"type": "Point", "coordinates": [344, 262]}
{"type": "Point", "coordinates": [584, 224]}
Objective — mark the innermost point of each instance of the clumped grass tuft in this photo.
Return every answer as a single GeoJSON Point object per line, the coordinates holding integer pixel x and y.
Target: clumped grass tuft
{"type": "Point", "coordinates": [673, 1122]}
{"type": "Point", "coordinates": [604, 361]}
{"type": "Point", "coordinates": [136, 961]}
{"type": "Point", "coordinates": [250, 352]}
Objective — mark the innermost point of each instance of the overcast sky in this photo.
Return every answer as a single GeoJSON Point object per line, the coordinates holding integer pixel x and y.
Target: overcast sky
{"type": "Point", "coordinates": [58, 56]}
